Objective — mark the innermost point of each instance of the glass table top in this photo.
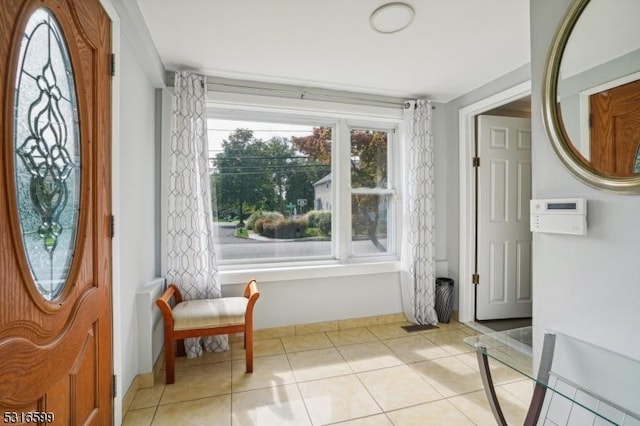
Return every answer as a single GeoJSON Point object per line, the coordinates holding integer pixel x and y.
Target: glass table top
{"type": "Point", "coordinates": [598, 380]}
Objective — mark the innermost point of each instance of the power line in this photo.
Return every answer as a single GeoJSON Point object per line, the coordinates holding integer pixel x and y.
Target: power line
{"type": "Point", "coordinates": [240, 174]}
{"type": "Point", "coordinates": [261, 130]}
{"type": "Point", "coordinates": [274, 168]}
{"type": "Point", "coordinates": [274, 157]}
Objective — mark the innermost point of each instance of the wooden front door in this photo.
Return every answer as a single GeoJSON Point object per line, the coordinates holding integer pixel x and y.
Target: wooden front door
{"type": "Point", "coordinates": [55, 238]}
{"type": "Point", "coordinates": [615, 130]}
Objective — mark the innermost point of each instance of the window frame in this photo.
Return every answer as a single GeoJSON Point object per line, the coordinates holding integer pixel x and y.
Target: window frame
{"type": "Point", "coordinates": [342, 118]}
{"type": "Point", "coordinates": [391, 190]}
{"type": "Point", "coordinates": [270, 117]}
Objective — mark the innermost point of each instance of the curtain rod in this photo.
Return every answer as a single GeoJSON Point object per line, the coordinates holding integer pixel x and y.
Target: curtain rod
{"type": "Point", "coordinates": [228, 85]}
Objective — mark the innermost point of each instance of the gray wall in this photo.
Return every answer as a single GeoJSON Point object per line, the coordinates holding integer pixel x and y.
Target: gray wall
{"type": "Point", "coordinates": [585, 286]}
{"type": "Point", "coordinates": [447, 142]}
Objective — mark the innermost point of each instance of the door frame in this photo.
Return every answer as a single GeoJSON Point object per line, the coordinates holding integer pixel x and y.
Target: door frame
{"type": "Point", "coordinates": [126, 20]}
{"type": "Point", "coordinates": [466, 149]}
{"type": "Point", "coordinates": [116, 328]}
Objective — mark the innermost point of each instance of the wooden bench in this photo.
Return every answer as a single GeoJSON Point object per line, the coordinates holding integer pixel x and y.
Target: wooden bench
{"type": "Point", "coordinates": [206, 317]}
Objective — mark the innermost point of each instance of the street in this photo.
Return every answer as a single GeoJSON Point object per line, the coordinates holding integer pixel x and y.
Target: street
{"type": "Point", "coordinates": [232, 247]}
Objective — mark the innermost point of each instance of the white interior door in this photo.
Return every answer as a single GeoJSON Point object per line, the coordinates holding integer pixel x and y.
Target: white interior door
{"type": "Point", "coordinates": [504, 238]}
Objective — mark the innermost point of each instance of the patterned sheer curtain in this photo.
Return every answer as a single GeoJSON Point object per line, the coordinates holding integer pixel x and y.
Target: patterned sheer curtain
{"type": "Point", "coordinates": [418, 234]}
{"type": "Point", "coordinates": [190, 250]}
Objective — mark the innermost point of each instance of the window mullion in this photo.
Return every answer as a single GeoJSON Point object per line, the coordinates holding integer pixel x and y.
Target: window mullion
{"type": "Point", "coordinates": [342, 225]}
{"type": "Point", "coordinates": [393, 180]}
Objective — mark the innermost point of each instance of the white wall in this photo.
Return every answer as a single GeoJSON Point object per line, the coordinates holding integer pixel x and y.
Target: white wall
{"type": "Point", "coordinates": [304, 301]}
{"type": "Point", "coordinates": [585, 286]}
{"type": "Point", "coordinates": [138, 200]}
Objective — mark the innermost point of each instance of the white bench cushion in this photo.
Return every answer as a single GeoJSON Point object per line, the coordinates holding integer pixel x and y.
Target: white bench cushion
{"type": "Point", "coordinates": [207, 313]}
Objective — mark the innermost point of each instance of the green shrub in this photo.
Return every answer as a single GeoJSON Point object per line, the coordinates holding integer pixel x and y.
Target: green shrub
{"type": "Point", "coordinates": [258, 225]}
{"type": "Point", "coordinates": [282, 228]}
{"type": "Point", "coordinates": [242, 233]}
{"type": "Point", "coordinates": [267, 228]}
{"type": "Point", "coordinates": [313, 232]}
{"type": "Point", "coordinates": [324, 223]}
{"type": "Point", "coordinates": [273, 216]}
{"type": "Point", "coordinates": [292, 228]}
{"type": "Point", "coordinates": [251, 220]}
{"type": "Point", "coordinates": [312, 217]}
{"type": "Point", "coordinates": [320, 219]}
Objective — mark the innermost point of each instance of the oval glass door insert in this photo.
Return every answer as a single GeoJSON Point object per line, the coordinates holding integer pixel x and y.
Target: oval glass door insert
{"type": "Point", "coordinates": [47, 153]}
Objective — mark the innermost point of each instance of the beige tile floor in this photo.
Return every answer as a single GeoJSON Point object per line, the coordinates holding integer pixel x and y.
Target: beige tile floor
{"type": "Point", "coordinates": [377, 375]}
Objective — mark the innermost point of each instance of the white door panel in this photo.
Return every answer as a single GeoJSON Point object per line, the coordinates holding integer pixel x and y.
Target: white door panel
{"type": "Point", "coordinates": [504, 239]}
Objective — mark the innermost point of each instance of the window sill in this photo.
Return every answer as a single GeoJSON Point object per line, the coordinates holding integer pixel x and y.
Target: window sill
{"type": "Point", "coordinates": [294, 273]}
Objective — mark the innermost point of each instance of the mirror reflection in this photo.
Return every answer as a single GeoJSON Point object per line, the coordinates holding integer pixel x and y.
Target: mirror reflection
{"type": "Point", "coordinates": [598, 87]}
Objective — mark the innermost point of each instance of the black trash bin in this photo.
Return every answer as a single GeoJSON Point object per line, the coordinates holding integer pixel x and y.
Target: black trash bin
{"type": "Point", "coordinates": [444, 298]}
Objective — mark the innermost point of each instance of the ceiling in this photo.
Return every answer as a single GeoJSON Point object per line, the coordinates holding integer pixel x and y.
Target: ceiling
{"type": "Point", "coordinates": [451, 48]}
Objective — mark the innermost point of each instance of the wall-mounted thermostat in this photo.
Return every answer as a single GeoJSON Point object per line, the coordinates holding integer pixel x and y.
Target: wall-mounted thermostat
{"type": "Point", "coordinates": [559, 216]}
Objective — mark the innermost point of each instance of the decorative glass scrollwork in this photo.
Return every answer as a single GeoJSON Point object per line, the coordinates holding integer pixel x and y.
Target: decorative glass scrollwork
{"type": "Point", "coordinates": [46, 142]}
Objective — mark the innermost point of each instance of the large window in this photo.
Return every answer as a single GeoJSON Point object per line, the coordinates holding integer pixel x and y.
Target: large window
{"type": "Point", "coordinates": [278, 186]}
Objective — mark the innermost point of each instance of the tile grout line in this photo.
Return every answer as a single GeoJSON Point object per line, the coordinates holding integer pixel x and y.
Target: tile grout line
{"type": "Point", "coordinates": [155, 412]}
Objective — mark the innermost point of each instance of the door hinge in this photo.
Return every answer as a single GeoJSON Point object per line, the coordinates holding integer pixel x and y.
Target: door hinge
{"type": "Point", "coordinates": [115, 386]}
{"type": "Point", "coordinates": [475, 279]}
{"type": "Point", "coordinates": [112, 225]}
{"type": "Point", "coordinates": [112, 65]}
{"type": "Point", "coordinates": [476, 161]}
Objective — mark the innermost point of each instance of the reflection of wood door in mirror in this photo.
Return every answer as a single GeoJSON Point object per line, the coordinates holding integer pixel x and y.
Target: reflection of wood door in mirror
{"type": "Point", "coordinates": [55, 239]}
{"type": "Point", "coordinates": [615, 129]}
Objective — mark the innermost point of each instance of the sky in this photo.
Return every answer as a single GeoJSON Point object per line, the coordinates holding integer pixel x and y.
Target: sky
{"type": "Point", "coordinates": [218, 130]}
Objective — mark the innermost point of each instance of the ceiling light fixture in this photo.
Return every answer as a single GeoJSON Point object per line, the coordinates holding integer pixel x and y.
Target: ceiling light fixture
{"type": "Point", "coordinates": [392, 17]}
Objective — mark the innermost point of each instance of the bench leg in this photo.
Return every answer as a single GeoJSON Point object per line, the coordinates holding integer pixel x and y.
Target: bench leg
{"type": "Point", "coordinates": [248, 345]}
{"type": "Point", "coordinates": [169, 359]}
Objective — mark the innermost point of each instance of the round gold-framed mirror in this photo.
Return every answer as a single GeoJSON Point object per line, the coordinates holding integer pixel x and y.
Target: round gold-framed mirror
{"type": "Point", "coordinates": [591, 93]}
